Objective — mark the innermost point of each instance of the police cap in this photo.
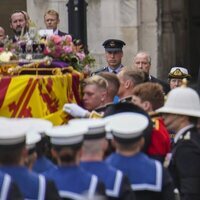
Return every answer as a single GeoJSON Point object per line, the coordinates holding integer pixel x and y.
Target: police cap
{"type": "Point", "coordinates": [113, 45]}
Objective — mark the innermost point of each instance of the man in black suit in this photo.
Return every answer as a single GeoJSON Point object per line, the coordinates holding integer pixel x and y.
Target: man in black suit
{"type": "Point", "coordinates": [51, 20]}
{"type": "Point", "coordinates": [19, 25]}
{"type": "Point", "coordinates": [142, 61]}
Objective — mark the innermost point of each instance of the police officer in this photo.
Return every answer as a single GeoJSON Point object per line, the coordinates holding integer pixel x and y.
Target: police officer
{"type": "Point", "coordinates": [113, 54]}
{"type": "Point", "coordinates": [94, 146]}
{"type": "Point", "coordinates": [148, 178]}
{"type": "Point", "coordinates": [12, 160]}
{"type": "Point", "coordinates": [71, 180]}
{"type": "Point", "coordinates": [181, 112]}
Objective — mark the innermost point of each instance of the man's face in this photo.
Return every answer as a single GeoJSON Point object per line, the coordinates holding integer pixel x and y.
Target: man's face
{"type": "Point", "coordinates": [93, 97]}
{"type": "Point", "coordinates": [174, 83]}
{"type": "Point", "coordinates": [51, 21]}
{"type": "Point", "coordinates": [142, 63]}
{"type": "Point", "coordinates": [18, 23]}
{"type": "Point", "coordinates": [114, 58]}
{"type": "Point", "coordinates": [172, 121]}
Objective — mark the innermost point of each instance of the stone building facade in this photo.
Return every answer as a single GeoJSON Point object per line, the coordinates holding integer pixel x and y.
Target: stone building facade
{"type": "Point", "coordinates": [169, 30]}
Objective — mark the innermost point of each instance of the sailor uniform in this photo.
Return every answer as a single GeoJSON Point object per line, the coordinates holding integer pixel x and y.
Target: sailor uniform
{"type": "Point", "coordinates": [8, 189]}
{"type": "Point", "coordinates": [185, 163]}
{"type": "Point", "coordinates": [117, 185]}
{"type": "Point", "coordinates": [71, 180]}
{"type": "Point", "coordinates": [31, 185]}
{"type": "Point", "coordinates": [147, 177]}
{"type": "Point", "coordinates": [75, 183]}
{"type": "Point", "coordinates": [42, 164]}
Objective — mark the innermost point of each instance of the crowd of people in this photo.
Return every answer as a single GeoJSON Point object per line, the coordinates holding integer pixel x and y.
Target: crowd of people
{"type": "Point", "coordinates": [133, 137]}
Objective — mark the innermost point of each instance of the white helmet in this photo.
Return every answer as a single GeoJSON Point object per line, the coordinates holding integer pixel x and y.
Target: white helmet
{"type": "Point", "coordinates": [183, 101]}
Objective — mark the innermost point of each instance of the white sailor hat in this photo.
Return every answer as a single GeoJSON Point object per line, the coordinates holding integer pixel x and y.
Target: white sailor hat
{"type": "Point", "coordinates": [66, 135]}
{"type": "Point", "coordinates": [35, 124]}
{"type": "Point", "coordinates": [96, 127]}
{"type": "Point", "coordinates": [11, 134]}
{"type": "Point", "coordinates": [127, 127]}
{"type": "Point", "coordinates": [32, 138]}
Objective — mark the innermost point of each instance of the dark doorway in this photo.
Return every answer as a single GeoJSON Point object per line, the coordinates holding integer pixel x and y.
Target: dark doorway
{"type": "Point", "coordinates": [6, 8]}
{"type": "Point", "coordinates": [194, 36]}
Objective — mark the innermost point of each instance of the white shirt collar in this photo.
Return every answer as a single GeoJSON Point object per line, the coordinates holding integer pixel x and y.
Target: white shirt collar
{"type": "Point", "coordinates": [117, 70]}
{"type": "Point", "coordinates": [181, 131]}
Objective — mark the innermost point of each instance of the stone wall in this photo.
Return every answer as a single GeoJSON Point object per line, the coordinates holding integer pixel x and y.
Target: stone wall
{"type": "Point", "coordinates": [134, 21]}
{"type": "Point", "coordinates": [37, 8]}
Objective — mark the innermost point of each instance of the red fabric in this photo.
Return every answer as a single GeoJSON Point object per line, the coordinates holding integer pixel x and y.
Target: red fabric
{"type": "Point", "coordinates": [160, 139]}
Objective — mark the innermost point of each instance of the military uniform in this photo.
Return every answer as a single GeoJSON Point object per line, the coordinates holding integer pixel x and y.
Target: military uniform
{"type": "Point", "coordinates": [111, 45]}
{"type": "Point", "coordinates": [71, 180]}
{"type": "Point", "coordinates": [31, 185]}
{"type": "Point", "coordinates": [42, 164]}
{"type": "Point", "coordinates": [117, 185]}
{"type": "Point", "coordinates": [185, 163]}
{"type": "Point", "coordinates": [8, 189]}
{"type": "Point", "coordinates": [149, 180]}
{"type": "Point", "coordinates": [107, 69]}
{"type": "Point", "coordinates": [160, 140]}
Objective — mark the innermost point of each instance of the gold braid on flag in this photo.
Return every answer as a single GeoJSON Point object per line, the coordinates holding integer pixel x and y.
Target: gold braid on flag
{"type": "Point", "coordinates": [34, 65]}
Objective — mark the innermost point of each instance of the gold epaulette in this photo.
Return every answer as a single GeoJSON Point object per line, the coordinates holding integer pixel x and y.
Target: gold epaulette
{"type": "Point", "coordinates": [95, 114]}
{"type": "Point", "coordinates": [155, 121]}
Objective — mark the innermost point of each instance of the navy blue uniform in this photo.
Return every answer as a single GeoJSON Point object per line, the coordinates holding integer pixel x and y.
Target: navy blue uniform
{"type": "Point", "coordinates": [147, 177]}
{"type": "Point", "coordinates": [42, 164]}
{"type": "Point", "coordinates": [185, 164]}
{"type": "Point", "coordinates": [8, 190]}
{"type": "Point", "coordinates": [31, 185]}
{"type": "Point", "coordinates": [117, 185]}
{"type": "Point", "coordinates": [73, 182]}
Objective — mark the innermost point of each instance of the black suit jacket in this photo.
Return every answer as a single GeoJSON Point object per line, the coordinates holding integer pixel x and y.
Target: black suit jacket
{"type": "Point", "coordinates": [60, 33]}
{"type": "Point", "coordinates": [165, 85]}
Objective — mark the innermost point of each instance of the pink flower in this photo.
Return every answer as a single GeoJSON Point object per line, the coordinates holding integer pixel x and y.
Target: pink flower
{"type": "Point", "coordinates": [47, 50]}
{"type": "Point", "coordinates": [68, 38]}
{"type": "Point", "coordinates": [81, 55]}
{"type": "Point", "coordinates": [67, 49]}
{"type": "Point", "coordinates": [1, 49]}
{"type": "Point", "coordinates": [56, 39]}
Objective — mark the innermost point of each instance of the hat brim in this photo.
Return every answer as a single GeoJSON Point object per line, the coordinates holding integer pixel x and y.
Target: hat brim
{"type": "Point", "coordinates": [113, 49]}
{"type": "Point", "coordinates": [188, 112]}
{"type": "Point", "coordinates": [179, 77]}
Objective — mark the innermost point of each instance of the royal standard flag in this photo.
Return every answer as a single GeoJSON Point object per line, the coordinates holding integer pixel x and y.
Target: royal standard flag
{"type": "Point", "coordinates": [39, 96]}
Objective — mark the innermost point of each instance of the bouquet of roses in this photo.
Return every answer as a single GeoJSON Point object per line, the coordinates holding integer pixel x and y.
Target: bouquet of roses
{"type": "Point", "coordinates": [64, 49]}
